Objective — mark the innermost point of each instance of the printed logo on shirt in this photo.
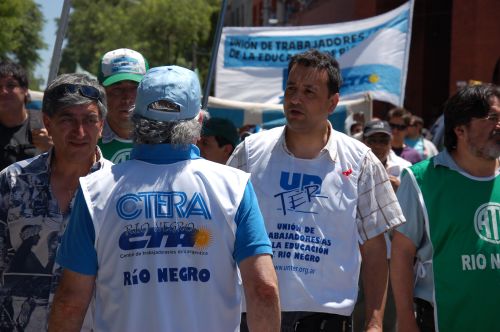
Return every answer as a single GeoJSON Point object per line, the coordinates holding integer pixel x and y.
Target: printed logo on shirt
{"type": "Point", "coordinates": [121, 156]}
{"type": "Point", "coordinates": [300, 192]}
{"type": "Point", "coordinates": [163, 235]}
{"type": "Point", "coordinates": [487, 222]}
{"type": "Point", "coordinates": [162, 205]}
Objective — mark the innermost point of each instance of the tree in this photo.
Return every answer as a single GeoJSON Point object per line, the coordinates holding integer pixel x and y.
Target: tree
{"type": "Point", "coordinates": [164, 31]}
{"type": "Point", "coordinates": [20, 32]}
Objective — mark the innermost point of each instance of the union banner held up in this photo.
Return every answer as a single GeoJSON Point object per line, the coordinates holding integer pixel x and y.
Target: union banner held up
{"type": "Point", "coordinates": [372, 53]}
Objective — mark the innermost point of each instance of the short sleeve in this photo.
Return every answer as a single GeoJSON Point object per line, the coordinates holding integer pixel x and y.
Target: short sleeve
{"type": "Point", "coordinates": [409, 201]}
{"type": "Point", "coordinates": [251, 235]}
{"type": "Point", "coordinates": [378, 209]}
{"type": "Point", "coordinates": [77, 252]}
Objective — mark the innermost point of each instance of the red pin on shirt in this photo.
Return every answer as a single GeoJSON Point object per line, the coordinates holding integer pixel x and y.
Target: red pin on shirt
{"type": "Point", "coordinates": [348, 172]}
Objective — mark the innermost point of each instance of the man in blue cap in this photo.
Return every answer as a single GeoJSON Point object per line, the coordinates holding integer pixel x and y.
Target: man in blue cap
{"type": "Point", "coordinates": [120, 72]}
{"type": "Point", "coordinates": [160, 237]}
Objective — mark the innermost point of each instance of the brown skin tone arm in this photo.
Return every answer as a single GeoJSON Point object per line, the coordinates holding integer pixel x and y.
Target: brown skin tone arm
{"type": "Point", "coordinates": [72, 298]}
{"type": "Point", "coordinates": [374, 275]}
{"type": "Point", "coordinates": [402, 281]}
{"type": "Point", "coordinates": [261, 292]}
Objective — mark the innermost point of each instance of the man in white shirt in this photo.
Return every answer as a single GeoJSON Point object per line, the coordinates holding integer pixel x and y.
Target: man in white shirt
{"type": "Point", "coordinates": [326, 200]}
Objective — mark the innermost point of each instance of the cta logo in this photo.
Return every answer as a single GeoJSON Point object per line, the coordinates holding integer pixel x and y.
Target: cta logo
{"type": "Point", "coordinates": [487, 222]}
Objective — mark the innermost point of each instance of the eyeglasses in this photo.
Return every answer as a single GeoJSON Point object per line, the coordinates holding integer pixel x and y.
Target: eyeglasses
{"type": "Point", "coordinates": [378, 140]}
{"type": "Point", "coordinates": [492, 117]}
{"type": "Point", "coordinates": [84, 90]}
{"type": "Point", "coordinates": [398, 126]}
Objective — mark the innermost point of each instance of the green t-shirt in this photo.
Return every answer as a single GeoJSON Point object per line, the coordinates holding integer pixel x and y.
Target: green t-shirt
{"type": "Point", "coordinates": [463, 216]}
{"type": "Point", "coordinates": [117, 150]}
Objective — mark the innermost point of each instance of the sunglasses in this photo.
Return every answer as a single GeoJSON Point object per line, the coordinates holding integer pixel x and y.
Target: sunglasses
{"type": "Point", "coordinates": [84, 90]}
{"type": "Point", "coordinates": [378, 140]}
{"type": "Point", "coordinates": [398, 126]}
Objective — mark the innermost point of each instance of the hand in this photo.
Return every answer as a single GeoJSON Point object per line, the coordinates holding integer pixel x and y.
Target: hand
{"type": "Point", "coordinates": [41, 139]}
{"type": "Point", "coordinates": [394, 182]}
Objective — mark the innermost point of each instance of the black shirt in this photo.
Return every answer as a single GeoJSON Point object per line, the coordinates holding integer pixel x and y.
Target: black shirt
{"type": "Point", "coordinates": [16, 144]}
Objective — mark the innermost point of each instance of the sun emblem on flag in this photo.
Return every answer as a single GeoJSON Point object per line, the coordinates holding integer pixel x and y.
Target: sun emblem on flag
{"type": "Point", "coordinates": [373, 78]}
{"type": "Point", "coordinates": [202, 238]}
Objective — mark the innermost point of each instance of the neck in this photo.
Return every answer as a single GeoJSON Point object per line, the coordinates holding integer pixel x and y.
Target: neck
{"type": "Point", "coordinates": [64, 177]}
{"type": "Point", "coordinates": [122, 131]}
{"type": "Point", "coordinates": [12, 119]}
{"type": "Point", "coordinates": [474, 165]}
{"type": "Point", "coordinates": [307, 145]}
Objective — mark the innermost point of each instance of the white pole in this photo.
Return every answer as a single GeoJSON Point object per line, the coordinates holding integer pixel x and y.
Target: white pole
{"type": "Point", "coordinates": [61, 33]}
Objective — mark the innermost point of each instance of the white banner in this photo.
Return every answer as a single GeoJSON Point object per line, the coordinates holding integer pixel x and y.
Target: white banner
{"type": "Point", "coordinates": [372, 53]}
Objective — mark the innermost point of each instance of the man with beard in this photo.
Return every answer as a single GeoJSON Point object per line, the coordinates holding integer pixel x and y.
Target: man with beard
{"type": "Point", "coordinates": [451, 203]}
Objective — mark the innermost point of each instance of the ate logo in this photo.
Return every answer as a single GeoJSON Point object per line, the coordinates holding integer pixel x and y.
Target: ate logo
{"type": "Point", "coordinates": [487, 222]}
{"type": "Point", "coordinates": [300, 192]}
{"type": "Point", "coordinates": [121, 156]}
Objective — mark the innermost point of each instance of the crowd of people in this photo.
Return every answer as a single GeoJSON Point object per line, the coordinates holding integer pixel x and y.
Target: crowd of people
{"type": "Point", "coordinates": [133, 209]}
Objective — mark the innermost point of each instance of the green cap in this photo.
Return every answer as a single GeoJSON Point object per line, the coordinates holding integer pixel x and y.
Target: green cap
{"type": "Point", "coordinates": [122, 64]}
{"type": "Point", "coordinates": [223, 128]}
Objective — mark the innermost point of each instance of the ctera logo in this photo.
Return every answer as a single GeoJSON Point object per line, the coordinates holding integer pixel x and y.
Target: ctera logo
{"type": "Point", "coordinates": [487, 222]}
{"type": "Point", "coordinates": [162, 205]}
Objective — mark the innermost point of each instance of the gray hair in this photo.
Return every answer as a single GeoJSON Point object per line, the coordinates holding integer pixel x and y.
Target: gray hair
{"type": "Point", "coordinates": [182, 132]}
{"type": "Point", "coordinates": [54, 102]}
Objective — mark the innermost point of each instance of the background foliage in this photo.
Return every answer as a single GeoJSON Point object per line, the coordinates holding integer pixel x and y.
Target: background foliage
{"type": "Point", "coordinates": [166, 32]}
{"type": "Point", "coordinates": [21, 23]}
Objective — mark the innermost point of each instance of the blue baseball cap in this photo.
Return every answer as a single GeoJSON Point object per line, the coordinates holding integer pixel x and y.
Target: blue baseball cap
{"type": "Point", "coordinates": [169, 93]}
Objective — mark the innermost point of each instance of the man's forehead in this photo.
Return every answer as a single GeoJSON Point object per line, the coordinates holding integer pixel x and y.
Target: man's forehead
{"type": "Point", "coordinates": [79, 110]}
{"type": "Point", "coordinates": [123, 84]}
{"type": "Point", "coordinates": [8, 78]}
{"type": "Point", "coordinates": [311, 75]}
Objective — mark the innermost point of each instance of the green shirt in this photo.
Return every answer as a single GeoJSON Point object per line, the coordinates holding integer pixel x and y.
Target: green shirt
{"type": "Point", "coordinates": [462, 222]}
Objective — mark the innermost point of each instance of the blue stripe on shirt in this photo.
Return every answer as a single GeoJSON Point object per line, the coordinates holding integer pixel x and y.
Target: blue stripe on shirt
{"type": "Point", "coordinates": [251, 234]}
{"type": "Point", "coordinates": [77, 252]}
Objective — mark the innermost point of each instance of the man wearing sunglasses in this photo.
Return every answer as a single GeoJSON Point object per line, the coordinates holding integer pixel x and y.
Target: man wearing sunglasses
{"type": "Point", "coordinates": [452, 206]}
{"type": "Point", "coordinates": [120, 71]}
{"type": "Point", "coordinates": [399, 120]}
{"type": "Point", "coordinates": [165, 232]}
{"type": "Point", "coordinates": [36, 198]}
{"type": "Point", "coordinates": [18, 140]}
{"type": "Point", "coordinates": [377, 136]}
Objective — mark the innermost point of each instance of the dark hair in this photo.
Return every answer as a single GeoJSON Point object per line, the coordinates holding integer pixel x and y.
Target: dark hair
{"type": "Point", "coordinates": [320, 60]}
{"type": "Point", "coordinates": [496, 73]}
{"type": "Point", "coordinates": [221, 141]}
{"type": "Point", "coordinates": [399, 112]}
{"type": "Point", "coordinates": [472, 101]}
{"type": "Point", "coordinates": [53, 101]}
{"type": "Point", "coordinates": [9, 68]}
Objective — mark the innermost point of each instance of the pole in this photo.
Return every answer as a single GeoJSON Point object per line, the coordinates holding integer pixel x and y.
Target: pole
{"type": "Point", "coordinates": [61, 33]}
{"type": "Point", "coordinates": [213, 56]}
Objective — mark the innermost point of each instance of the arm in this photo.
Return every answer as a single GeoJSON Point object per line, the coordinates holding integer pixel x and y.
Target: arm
{"type": "Point", "coordinates": [374, 276]}
{"type": "Point", "coordinates": [261, 293]}
{"type": "Point", "coordinates": [402, 255]}
{"type": "Point", "coordinates": [71, 301]}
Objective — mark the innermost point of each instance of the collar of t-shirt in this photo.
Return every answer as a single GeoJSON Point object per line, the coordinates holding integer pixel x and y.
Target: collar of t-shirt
{"type": "Point", "coordinates": [445, 159]}
{"type": "Point", "coordinates": [164, 153]}
{"type": "Point", "coordinates": [329, 148]}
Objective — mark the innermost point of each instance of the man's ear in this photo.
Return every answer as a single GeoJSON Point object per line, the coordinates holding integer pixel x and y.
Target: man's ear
{"type": "Point", "coordinates": [47, 122]}
{"type": "Point", "coordinates": [228, 149]}
{"type": "Point", "coordinates": [333, 100]}
{"type": "Point", "coordinates": [459, 131]}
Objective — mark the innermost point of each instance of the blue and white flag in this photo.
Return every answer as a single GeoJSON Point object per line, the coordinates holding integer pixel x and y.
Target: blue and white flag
{"type": "Point", "coordinates": [372, 53]}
